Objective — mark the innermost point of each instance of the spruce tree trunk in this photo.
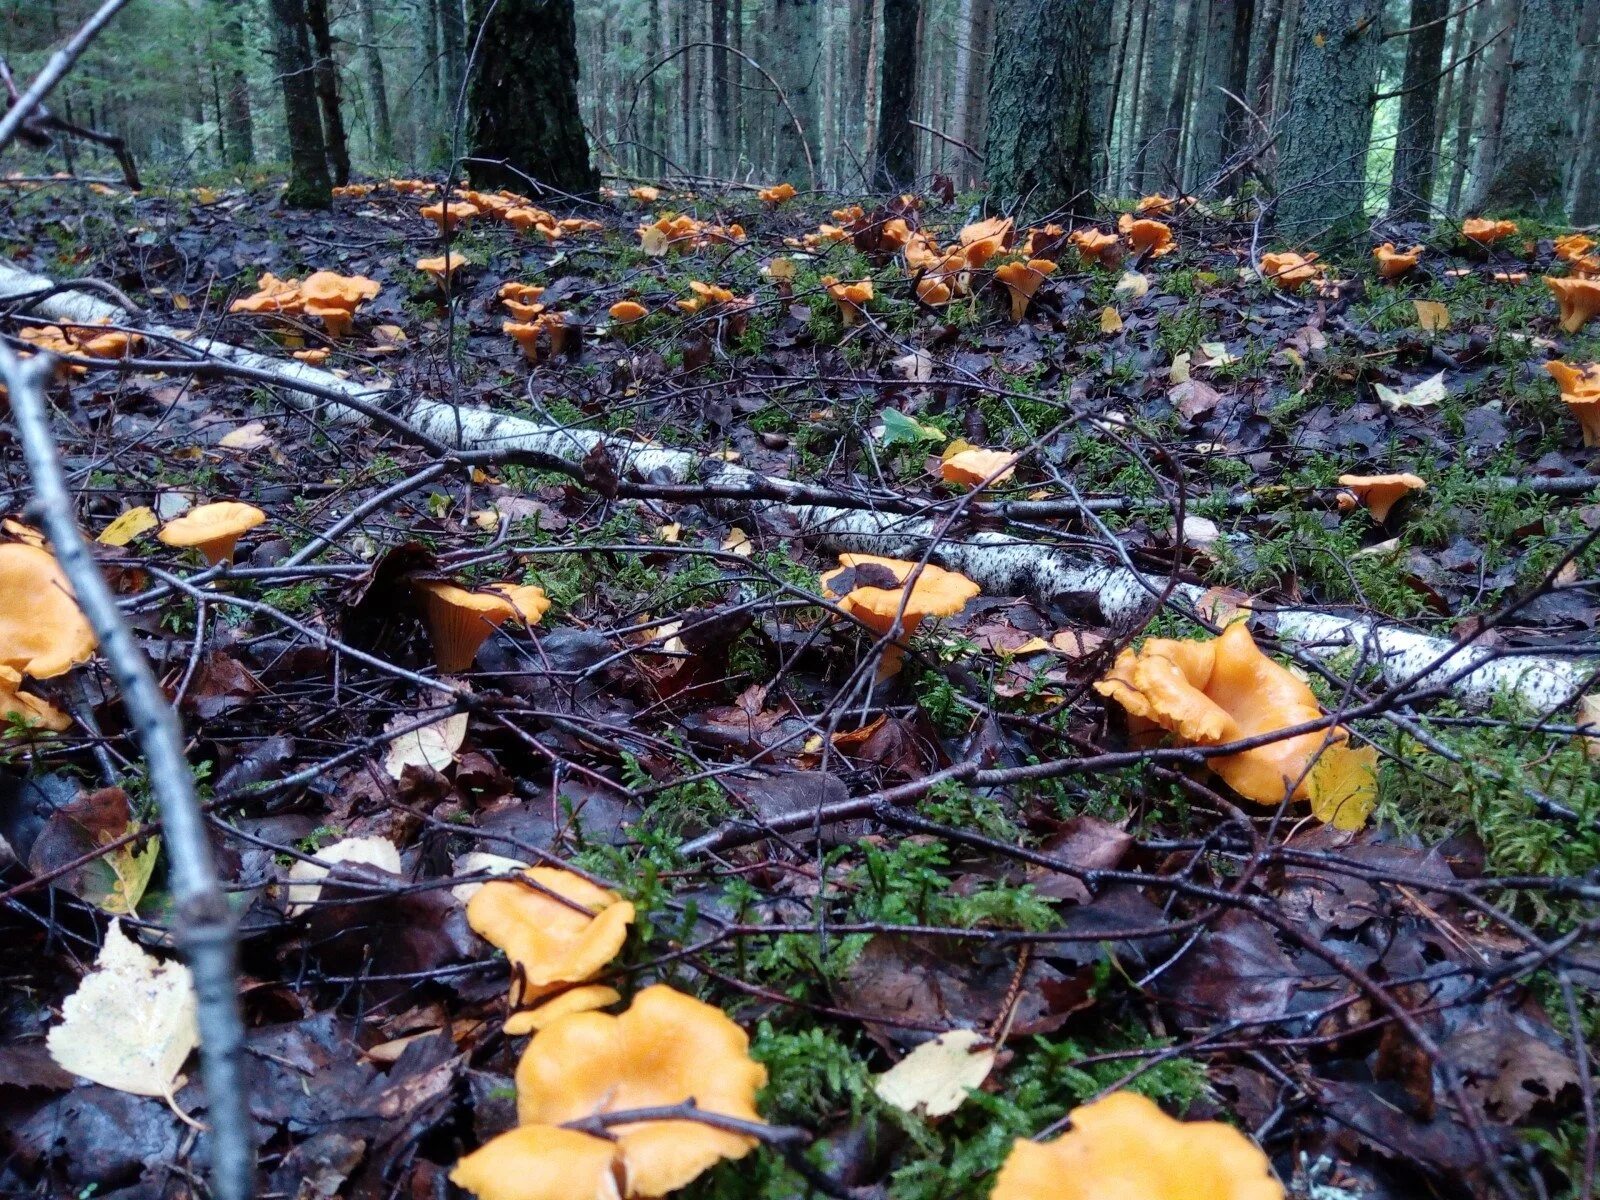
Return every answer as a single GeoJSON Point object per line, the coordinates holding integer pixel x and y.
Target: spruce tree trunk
{"type": "Point", "coordinates": [1411, 185]}
{"type": "Point", "coordinates": [377, 85]}
{"type": "Point", "coordinates": [724, 153]}
{"type": "Point", "coordinates": [308, 157]}
{"type": "Point", "coordinates": [1586, 160]}
{"type": "Point", "coordinates": [1040, 143]}
{"type": "Point", "coordinates": [797, 66]}
{"type": "Point", "coordinates": [896, 166]}
{"type": "Point", "coordinates": [1212, 106]}
{"type": "Point", "coordinates": [1263, 55]}
{"type": "Point", "coordinates": [1328, 119]}
{"type": "Point", "coordinates": [1533, 132]}
{"type": "Point", "coordinates": [1491, 99]}
{"type": "Point", "coordinates": [236, 101]}
{"type": "Point", "coordinates": [522, 100]}
{"type": "Point", "coordinates": [327, 79]}
{"type": "Point", "coordinates": [453, 44]}
{"type": "Point", "coordinates": [1153, 134]}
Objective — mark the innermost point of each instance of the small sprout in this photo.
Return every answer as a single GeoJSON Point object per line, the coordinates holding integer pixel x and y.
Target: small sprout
{"type": "Point", "coordinates": [1022, 280]}
{"type": "Point", "coordinates": [1124, 1145]}
{"type": "Point", "coordinates": [1580, 390]}
{"type": "Point", "coordinates": [213, 529]}
{"type": "Point", "coordinates": [1288, 270]}
{"type": "Point", "coordinates": [1394, 263]}
{"type": "Point", "coordinates": [1222, 689]}
{"type": "Point", "coordinates": [1380, 493]}
{"type": "Point", "coordinates": [1485, 232]}
{"type": "Point", "coordinates": [460, 620]}
{"type": "Point", "coordinates": [1579, 300]}
{"type": "Point", "coordinates": [852, 298]}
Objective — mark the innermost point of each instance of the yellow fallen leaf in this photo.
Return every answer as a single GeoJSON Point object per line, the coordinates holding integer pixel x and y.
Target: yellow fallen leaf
{"type": "Point", "coordinates": [1110, 320]}
{"type": "Point", "coordinates": [128, 526]}
{"type": "Point", "coordinates": [487, 519]}
{"type": "Point", "coordinates": [1589, 718]}
{"type": "Point", "coordinates": [937, 1075]}
{"type": "Point", "coordinates": [1343, 785]}
{"type": "Point", "coordinates": [1432, 315]}
{"type": "Point", "coordinates": [247, 437]}
{"type": "Point", "coordinates": [670, 533]}
{"type": "Point", "coordinates": [1179, 371]}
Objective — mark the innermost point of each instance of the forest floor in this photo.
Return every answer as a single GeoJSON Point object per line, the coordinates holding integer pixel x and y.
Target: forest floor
{"type": "Point", "coordinates": [1399, 1010]}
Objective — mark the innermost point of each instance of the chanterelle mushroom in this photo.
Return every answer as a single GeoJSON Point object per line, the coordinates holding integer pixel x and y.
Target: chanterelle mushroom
{"type": "Point", "coordinates": [213, 529]}
{"type": "Point", "coordinates": [1211, 691]}
{"type": "Point", "coordinates": [1022, 280]}
{"type": "Point", "coordinates": [1579, 300]}
{"type": "Point", "coordinates": [1380, 493]}
{"type": "Point", "coordinates": [43, 632]}
{"type": "Point", "coordinates": [872, 589]}
{"type": "Point", "coordinates": [1580, 390]}
{"type": "Point", "coordinates": [1394, 263]}
{"type": "Point", "coordinates": [461, 620]}
{"type": "Point", "coordinates": [1125, 1147]}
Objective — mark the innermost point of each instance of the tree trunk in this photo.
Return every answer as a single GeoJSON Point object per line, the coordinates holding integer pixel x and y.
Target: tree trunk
{"type": "Point", "coordinates": [1164, 155]}
{"type": "Point", "coordinates": [725, 152]}
{"type": "Point", "coordinates": [1491, 99]}
{"type": "Point", "coordinates": [236, 101]}
{"type": "Point", "coordinates": [1411, 185]}
{"type": "Point", "coordinates": [896, 166]}
{"type": "Point", "coordinates": [453, 46]}
{"type": "Point", "coordinates": [1152, 136]}
{"type": "Point", "coordinates": [1585, 205]}
{"type": "Point", "coordinates": [377, 85]}
{"type": "Point", "coordinates": [523, 97]}
{"type": "Point", "coordinates": [1263, 57]}
{"type": "Point", "coordinates": [1212, 107]}
{"type": "Point", "coordinates": [308, 158]}
{"type": "Point", "coordinates": [1533, 132]}
{"type": "Point", "coordinates": [326, 73]}
{"type": "Point", "coordinates": [1107, 170]}
{"type": "Point", "coordinates": [1447, 97]}
{"type": "Point", "coordinates": [1040, 146]}
{"type": "Point", "coordinates": [796, 65]}
{"type": "Point", "coordinates": [1328, 120]}
{"type": "Point", "coordinates": [1483, 27]}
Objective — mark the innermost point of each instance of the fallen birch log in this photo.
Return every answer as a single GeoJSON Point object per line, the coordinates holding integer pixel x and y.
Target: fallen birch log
{"type": "Point", "coordinates": [1000, 563]}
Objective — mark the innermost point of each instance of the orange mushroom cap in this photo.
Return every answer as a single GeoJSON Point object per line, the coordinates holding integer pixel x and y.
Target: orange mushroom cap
{"type": "Point", "coordinates": [1022, 280]}
{"type": "Point", "coordinates": [25, 709]}
{"type": "Point", "coordinates": [933, 290]}
{"type": "Point", "coordinates": [995, 229]}
{"type": "Point", "coordinates": [626, 312]}
{"type": "Point", "coordinates": [1095, 246]}
{"type": "Point", "coordinates": [1574, 246]}
{"type": "Point", "coordinates": [1580, 389]}
{"type": "Point", "coordinates": [336, 319]}
{"type": "Point", "coordinates": [523, 293]}
{"type": "Point", "coordinates": [1155, 206]}
{"type": "Point", "coordinates": [108, 343]}
{"type": "Point", "coordinates": [272, 295]}
{"type": "Point", "coordinates": [1394, 263]}
{"type": "Point", "coordinates": [548, 942]}
{"type": "Point", "coordinates": [445, 265]}
{"type": "Point", "coordinates": [977, 467]}
{"type": "Point", "coordinates": [850, 297]}
{"type": "Point", "coordinates": [449, 215]}
{"type": "Point", "coordinates": [343, 291]}
{"type": "Point", "coordinates": [541, 1162]}
{"type": "Point", "coordinates": [936, 593]}
{"type": "Point", "coordinates": [43, 632]}
{"type": "Point", "coordinates": [526, 336]}
{"type": "Point", "coordinates": [1288, 270]}
{"type": "Point", "coordinates": [461, 620]}
{"type": "Point", "coordinates": [1486, 232]}
{"type": "Point", "coordinates": [1211, 691]}
{"type": "Point", "coordinates": [666, 1049]}
{"type": "Point", "coordinates": [213, 529]}
{"type": "Point", "coordinates": [1380, 493]}
{"type": "Point", "coordinates": [583, 998]}
{"type": "Point", "coordinates": [1579, 300]}
{"type": "Point", "coordinates": [1154, 236]}
{"type": "Point", "coordinates": [645, 194]}
{"type": "Point", "coordinates": [1125, 1148]}
{"type": "Point", "coordinates": [777, 195]}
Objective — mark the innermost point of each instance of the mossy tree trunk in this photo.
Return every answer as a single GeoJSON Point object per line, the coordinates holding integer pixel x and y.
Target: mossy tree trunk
{"type": "Point", "coordinates": [797, 66]}
{"type": "Point", "coordinates": [1042, 85]}
{"type": "Point", "coordinates": [308, 159]}
{"type": "Point", "coordinates": [1411, 184]}
{"type": "Point", "coordinates": [522, 98]}
{"type": "Point", "coordinates": [1328, 119]}
{"type": "Point", "coordinates": [896, 164]}
{"type": "Point", "coordinates": [327, 77]}
{"type": "Point", "coordinates": [1534, 145]}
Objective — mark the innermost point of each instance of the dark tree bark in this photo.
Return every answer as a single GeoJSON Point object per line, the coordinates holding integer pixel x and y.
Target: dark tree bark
{"type": "Point", "coordinates": [1586, 160]}
{"type": "Point", "coordinates": [1328, 120]}
{"type": "Point", "coordinates": [1166, 155]}
{"type": "Point", "coordinates": [308, 157]}
{"type": "Point", "coordinates": [1491, 99]}
{"type": "Point", "coordinates": [725, 152]}
{"type": "Point", "coordinates": [236, 99]}
{"type": "Point", "coordinates": [796, 64]}
{"type": "Point", "coordinates": [326, 73]}
{"type": "Point", "coordinates": [453, 46]}
{"type": "Point", "coordinates": [1411, 185]}
{"type": "Point", "coordinates": [1155, 96]}
{"type": "Point", "coordinates": [377, 83]}
{"type": "Point", "coordinates": [523, 97]}
{"type": "Point", "coordinates": [1263, 55]}
{"type": "Point", "coordinates": [1461, 156]}
{"type": "Point", "coordinates": [1040, 143]}
{"type": "Point", "coordinates": [896, 164]}
{"type": "Point", "coordinates": [1533, 132]}
{"type": "Point", "coordinates": [1212, 108]}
